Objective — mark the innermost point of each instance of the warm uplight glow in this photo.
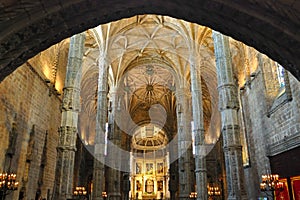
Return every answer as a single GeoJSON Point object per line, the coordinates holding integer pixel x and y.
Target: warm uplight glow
{"type": "Point", "coordinates": [59, 85]}
{"type": "Point", "coordinates": [46, 70]}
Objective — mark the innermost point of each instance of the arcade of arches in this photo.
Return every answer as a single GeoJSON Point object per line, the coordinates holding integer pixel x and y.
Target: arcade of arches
{"type": "Point", "coordinates": [150, 107]}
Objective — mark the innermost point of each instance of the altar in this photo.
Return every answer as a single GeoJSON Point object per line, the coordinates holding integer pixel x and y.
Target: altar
{"type": "Point", "coordinates": [149, 164]}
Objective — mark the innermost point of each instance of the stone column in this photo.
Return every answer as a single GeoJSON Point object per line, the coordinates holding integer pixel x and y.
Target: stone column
{"type": "Point", "coordinates": [101, 118]}
{"type": "Point", "coordinates": [173, 171]}
{"type": "Point", "coordinates": [229, 106]}
{"type": "Point", "coordinates": [68, 129]}
{"type": "Point", "coordinates": [113, 152]}
{"type": "Point", "coordinates": [199, 133]}
{"type": "Point", "coordinates": [184, 145]}
{"type": "Point", "coordinates": [126, 145]}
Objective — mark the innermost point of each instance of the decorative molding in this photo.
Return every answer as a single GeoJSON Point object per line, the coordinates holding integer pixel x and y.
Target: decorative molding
{"type": "Point", "coordinates": [288, 143]}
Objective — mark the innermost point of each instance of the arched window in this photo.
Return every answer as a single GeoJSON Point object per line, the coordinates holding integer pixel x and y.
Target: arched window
{"type": "Point", "coordinates": [284, 93]}
{"type": "Point", "coordinates": [280, 75]}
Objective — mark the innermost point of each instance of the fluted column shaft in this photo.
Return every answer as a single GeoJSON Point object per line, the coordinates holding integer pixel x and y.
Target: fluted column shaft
{"type": "Point", "coordinates": [184, 145]}
{"type": "Point", "coordinates": [101, 118]}
{"type": "Point", "coordinates": [200, 154]}
{"type": "Point", "coordinates": [68, 129]}
{"type": "Point", "coordinates": [229, 106]}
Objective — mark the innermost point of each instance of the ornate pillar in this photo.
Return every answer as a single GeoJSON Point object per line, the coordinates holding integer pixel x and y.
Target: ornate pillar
{"type": "Point", "coordinates": [184, 144]}
{"type": "Point", "coordinates": [68, 129]}
{"type": "Point", "coordinates": [113, 156]}
{"type": "Point", "coordinates": [199, 133]}
{"type": "Point", "coordinates": [173, 171]}
{"type": "Point", "coordinates": [101, 118]}
{"type": "Point", "coordinates": [229, 106]}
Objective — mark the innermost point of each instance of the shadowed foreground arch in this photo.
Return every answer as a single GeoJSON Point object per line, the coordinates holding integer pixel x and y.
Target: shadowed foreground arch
{"type": "Point", "coordinates": [31, 26]}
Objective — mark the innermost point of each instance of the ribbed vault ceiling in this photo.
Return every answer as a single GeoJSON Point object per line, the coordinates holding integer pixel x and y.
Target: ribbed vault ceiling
{"type": "Point", "coordinates": [149, 57]}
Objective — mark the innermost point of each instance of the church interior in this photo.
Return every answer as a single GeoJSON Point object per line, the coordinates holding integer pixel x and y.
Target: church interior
{"type": "Point", "coordinates": [149, 106]}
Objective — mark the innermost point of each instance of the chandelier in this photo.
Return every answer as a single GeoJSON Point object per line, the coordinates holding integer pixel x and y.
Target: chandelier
{"type": "Point", "coordinates": [213, 191]}
{"type": "Point", "coordinates": [270, 183]}
{"type": "Point", "coordinates": [80, 192]}
{"type": "Point", "coordinates": [8, 183]}
{"type": "Point", "coordinates": [104, 195]}
{"type": "Point", "coordinates": [193, 195]}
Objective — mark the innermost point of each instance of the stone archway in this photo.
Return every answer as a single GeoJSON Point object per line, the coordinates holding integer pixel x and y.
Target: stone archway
{"type": "Point", "coordinates": [31, 26]}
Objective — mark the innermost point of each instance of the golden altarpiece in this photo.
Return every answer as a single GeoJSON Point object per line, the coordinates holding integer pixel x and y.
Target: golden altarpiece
{"type": "Point", "coordinates": [149, 164]}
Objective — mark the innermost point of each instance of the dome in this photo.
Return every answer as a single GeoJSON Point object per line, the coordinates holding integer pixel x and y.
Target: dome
{"type": "Point", "coordinates": [149, 137]}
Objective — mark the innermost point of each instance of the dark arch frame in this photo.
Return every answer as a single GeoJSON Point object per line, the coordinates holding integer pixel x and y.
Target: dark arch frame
{"type": "Point", "coordinates": [27, 28]}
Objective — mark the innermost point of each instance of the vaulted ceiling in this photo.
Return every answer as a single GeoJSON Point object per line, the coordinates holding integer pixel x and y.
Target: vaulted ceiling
{"type": "Point", "coordinates": [149, 57]}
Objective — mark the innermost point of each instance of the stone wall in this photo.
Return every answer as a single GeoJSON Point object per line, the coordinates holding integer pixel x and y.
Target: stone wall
{"type": "Point", "coordinates": [271, 119]}
{"type": "Point", "coordinates": [26, 102]}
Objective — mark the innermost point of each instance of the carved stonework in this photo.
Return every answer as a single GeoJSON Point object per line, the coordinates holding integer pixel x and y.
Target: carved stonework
{"type": "Point", "coordinates": [71, 100]}
{"type": "Point", "coordinates": [67, 136]}
{"type": "Point", "coordinates": [228, 105]}
{"type": "Point", "coordinates": [228, 97]}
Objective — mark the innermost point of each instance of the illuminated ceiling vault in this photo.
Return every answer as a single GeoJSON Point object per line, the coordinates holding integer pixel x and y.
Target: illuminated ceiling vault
{"type": "Point", "coordinates": [149, 57]}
